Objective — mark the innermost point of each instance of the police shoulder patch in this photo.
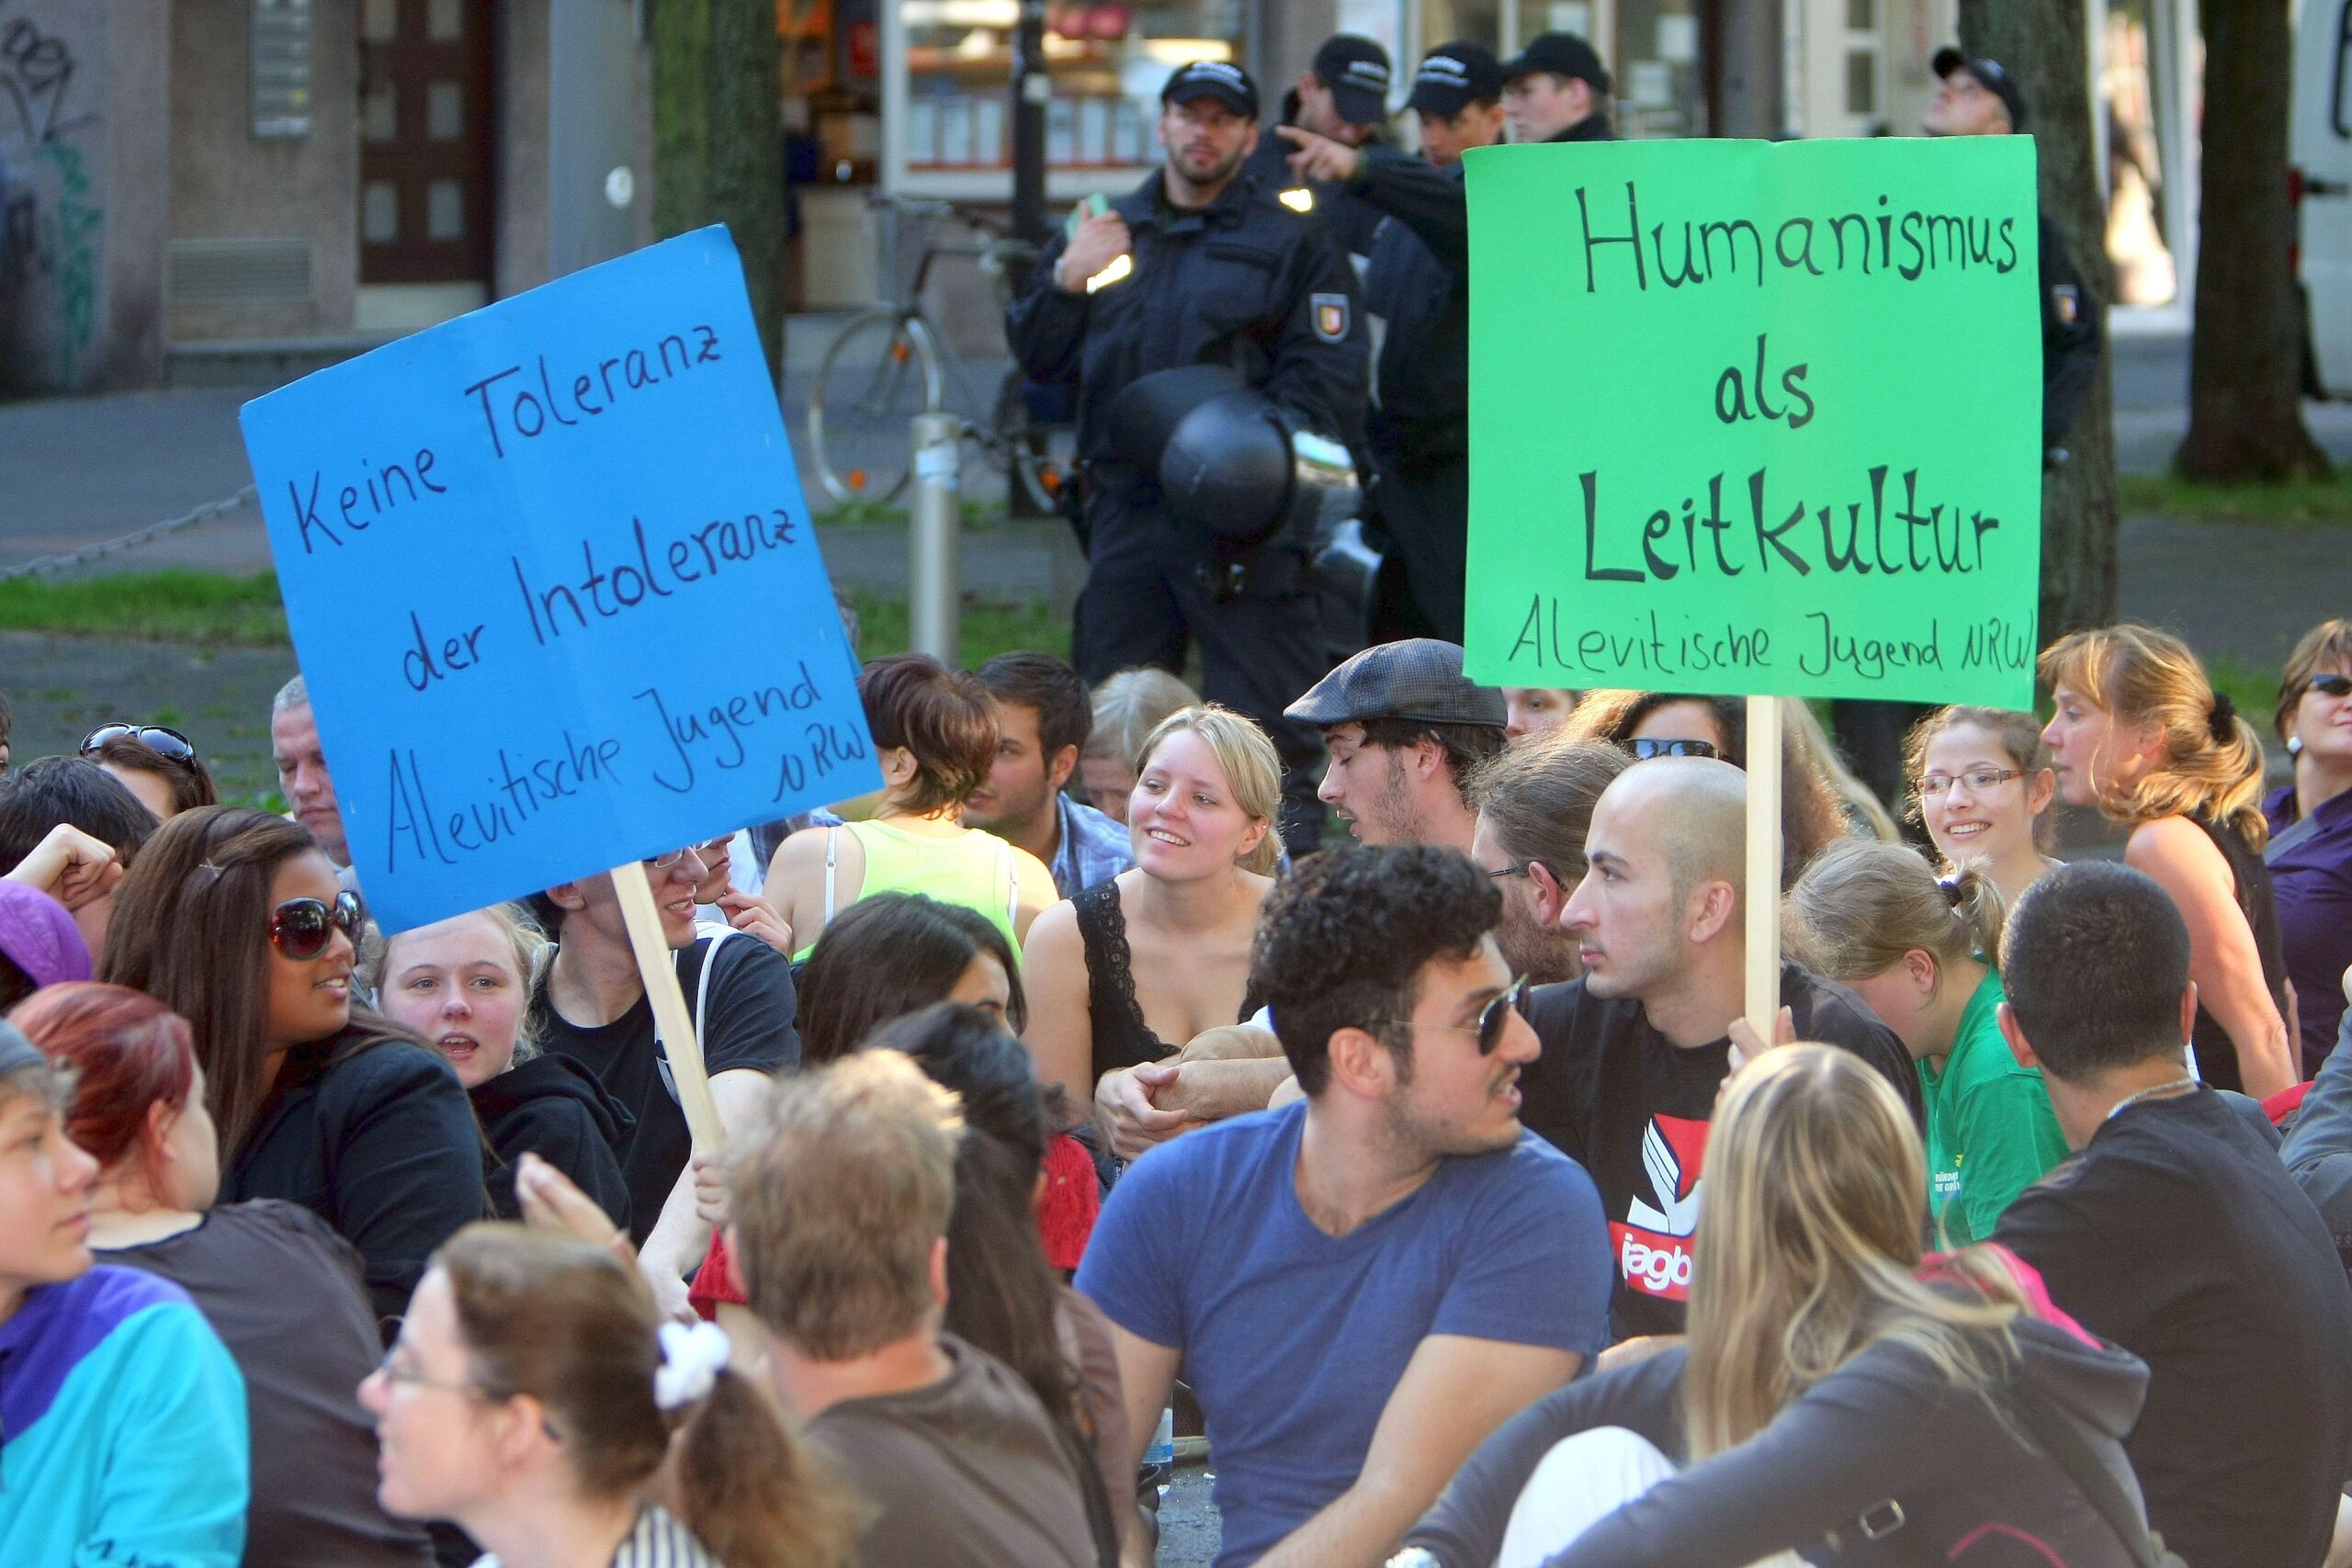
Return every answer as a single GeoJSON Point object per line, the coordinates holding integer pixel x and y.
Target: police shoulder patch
{"type": "Point", "coordinates": [1330, 317]}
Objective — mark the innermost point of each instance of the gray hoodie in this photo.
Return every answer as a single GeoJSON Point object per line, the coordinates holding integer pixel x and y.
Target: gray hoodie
{"type": "Point", "coordinates": [1885, 1427]}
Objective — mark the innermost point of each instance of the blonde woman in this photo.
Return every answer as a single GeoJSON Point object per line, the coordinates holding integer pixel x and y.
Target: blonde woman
{"type": "Point", "coordinates": [1874, 919]}
{"type": "Point", "coordinates": [1834, 1381]}
{"type": "Point", "coordinates": [2140, 733]}
{"type": "Point", "coordinates": [465, 985]}
{"type": "Point", "coordinates": [1128, 973]}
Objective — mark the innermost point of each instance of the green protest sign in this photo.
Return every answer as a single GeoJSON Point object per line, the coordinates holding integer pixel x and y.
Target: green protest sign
{"type": "Point", "coordinates": [1756, 418]}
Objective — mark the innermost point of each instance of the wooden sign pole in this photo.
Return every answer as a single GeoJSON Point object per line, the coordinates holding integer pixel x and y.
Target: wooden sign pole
{"type": "Point", "coordinates": [1764, 772]}
{"type": "Point", "coordinates": [660, 972]}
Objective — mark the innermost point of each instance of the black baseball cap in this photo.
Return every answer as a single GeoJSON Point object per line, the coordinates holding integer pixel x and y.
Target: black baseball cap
{"type": "Point", "coordinates": [1420, 678]}
{"type": "Point", "coordinates": [1562, 54]}
{"type": "Point", "coordinates": [1356, 70]}
{"type": "Point", "coordinates": [1453, 76]}
{"type": "Point", "coordinates": [1991, 73]}
{"type": "Point", "coordinates": [1220, 79]}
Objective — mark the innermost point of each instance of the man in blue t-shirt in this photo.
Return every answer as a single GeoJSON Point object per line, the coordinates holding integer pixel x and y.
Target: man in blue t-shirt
{"type": "Point", "coordinates": [1363, 1286]}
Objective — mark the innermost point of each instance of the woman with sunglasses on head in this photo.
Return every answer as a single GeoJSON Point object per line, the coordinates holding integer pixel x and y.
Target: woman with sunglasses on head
{"type": "Point", "coordinates": [2310, 851]}
{"type": "Point", "coordinates": [2140, 733]}
{"type": "Point", "coordinates": [1982, 785]}
{"type": "Point", "coordinates": [234, 919]}
{"type": "Point", "coordinates": [537, 1398]}
{"type": "Point", "coordinates": [464, 984]}
{"type": "Point", "coordinates": [157, 764]}
{"type": "Point", "coordinates": [1672, 723]}
{"type": "Point", "coordinates": [280, 1288]}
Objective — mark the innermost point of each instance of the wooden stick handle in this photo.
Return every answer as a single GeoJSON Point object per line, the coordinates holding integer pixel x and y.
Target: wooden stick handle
{"type": "Point", "coordinates": [1764, 765]}
{"type": "Point", "coordinates": [660, 972]}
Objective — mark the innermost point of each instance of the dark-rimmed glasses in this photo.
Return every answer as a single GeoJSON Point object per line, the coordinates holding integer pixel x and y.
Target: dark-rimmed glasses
{"type": "Point", "coordinates": [1511, 999]}
{"type": "Point", "coordinates": [1647, 746]}
{"type": "Point", "coordinates": [162, 739]}
{"type": "Point", "coordinates": [1978, 780]}
{"type": "Point", "coordinates": [300, 927]}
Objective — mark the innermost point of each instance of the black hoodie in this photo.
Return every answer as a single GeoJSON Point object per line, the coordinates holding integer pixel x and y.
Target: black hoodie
{"type": "Point", "coordinates": [554, 1108]}
{"type": "Point", "coordinates": [1885, 1427]}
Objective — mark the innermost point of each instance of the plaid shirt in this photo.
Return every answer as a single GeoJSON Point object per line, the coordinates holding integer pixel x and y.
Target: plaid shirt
{"type": "Point", "coordinates": [1093, 848]}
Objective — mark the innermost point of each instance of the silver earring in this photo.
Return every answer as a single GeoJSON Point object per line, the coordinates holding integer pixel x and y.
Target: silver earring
{"type": "Point", "coordinates": [2294, 744]}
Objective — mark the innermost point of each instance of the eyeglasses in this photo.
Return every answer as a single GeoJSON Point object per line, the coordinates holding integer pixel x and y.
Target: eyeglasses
{"type": "Point", "coordinates": [1511, 999]}
{"type": "Point", "coordinates": [300, 927]}
{"type": "Point", "coordinates": [663, 862]}
{"type": "Point", "coordinates": [167, 743]}
{"type": "Point", "coordinates": [1516, 869]}
{"type": "Point", "coordinates": [1978, 780]}
{"type": "Point", "coordinates": [1647, 746]}
{"type": "Point", "coordinates": [399, 1374]}
{"type": "Point", "coordinates": [2329, 686]}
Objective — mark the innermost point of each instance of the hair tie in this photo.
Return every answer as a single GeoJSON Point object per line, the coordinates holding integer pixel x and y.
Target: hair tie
{"type": "Point", "coordinates": [692, 1358]}
{"type": "Point", "coordinates": [1951, 886]}
{"type": "Point", "coordinates": [2226, 712]}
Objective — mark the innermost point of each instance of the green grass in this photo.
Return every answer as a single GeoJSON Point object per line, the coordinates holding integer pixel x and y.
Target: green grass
{"type": "Point", "coordinates": [2253, 688]}
{"type": "Point", "coordinates": [157, 606]}
{"type": "Point", "coordinates": [2302, 502]}
{"type": "Point", "coordinates": [976, 513]}
{"type": "Point", "coordinates": [207, 608]}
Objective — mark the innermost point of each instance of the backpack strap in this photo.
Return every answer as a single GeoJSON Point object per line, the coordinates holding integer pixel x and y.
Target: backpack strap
{"type": "Point", "coordinates": [712, 936]}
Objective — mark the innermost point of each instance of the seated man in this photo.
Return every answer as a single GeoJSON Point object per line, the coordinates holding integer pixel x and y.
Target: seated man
{"type": "Point", "coordinates": [1635, 1051]}
{"type": "Point", "coordinates": [839, 1208]}
{"type": "Point", "coordinates": [2175, 1232]}
{"type": "Point", "coordinates": [1534, 802]}
{"type": "Point", "coordinates": [1402, 728]}
{"type": "Point", "coordinates": [1360, 1287]}
{"type": "Point", "coordinates": [590, 1005]}
{"type": "Point", "coordinates": [1043, 716]}
{"type": "Point", "coordinates": [302, 776]}
{"type": "Point", "coordinates": [50, 790]}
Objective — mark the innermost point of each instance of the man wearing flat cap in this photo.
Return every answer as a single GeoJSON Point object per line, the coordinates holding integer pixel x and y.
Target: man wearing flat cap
{"type": "Point", "coordinates": [1403, 728]}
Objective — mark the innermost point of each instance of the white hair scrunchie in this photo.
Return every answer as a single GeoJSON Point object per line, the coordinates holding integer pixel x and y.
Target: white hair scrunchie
{"type": "Point", "coordinates": [691, 1360]}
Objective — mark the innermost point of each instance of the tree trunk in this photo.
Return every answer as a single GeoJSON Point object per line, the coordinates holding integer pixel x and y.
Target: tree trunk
{"type": "Point", "coordinates": [718, 140]}
{"type": "Point", "coordinates": [2245, 416]}
{"type": "Point", "coordinates": [2041, 43]}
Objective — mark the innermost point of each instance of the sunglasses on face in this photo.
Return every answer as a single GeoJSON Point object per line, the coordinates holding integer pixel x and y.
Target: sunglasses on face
{"type": "Point", "coordinates": [167, 743]}
{"type": "Point", "coordinates": [1511, 999]}
{"type": "Point", "coordinates": [300, 928]}
{"type": "Point", "coordinates": [2329, 686]}
{"type": "Point", "coordinates": [1644, 750]}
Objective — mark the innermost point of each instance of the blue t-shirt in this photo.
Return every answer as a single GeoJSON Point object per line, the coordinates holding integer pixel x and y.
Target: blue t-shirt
{"type": "Point", "coordinates": [1293, 1340]}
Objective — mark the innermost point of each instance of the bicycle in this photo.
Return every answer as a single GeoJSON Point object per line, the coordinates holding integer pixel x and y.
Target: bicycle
{"type": "Point", "coordinates": [891, 363]}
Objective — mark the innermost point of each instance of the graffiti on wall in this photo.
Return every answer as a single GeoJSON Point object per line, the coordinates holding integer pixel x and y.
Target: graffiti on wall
{"type": "Point", "coordinates": [52, 217]}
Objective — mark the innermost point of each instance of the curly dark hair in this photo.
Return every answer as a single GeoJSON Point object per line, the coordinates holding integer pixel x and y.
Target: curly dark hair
{"type": "Point", "coordinates": [1344, 939]}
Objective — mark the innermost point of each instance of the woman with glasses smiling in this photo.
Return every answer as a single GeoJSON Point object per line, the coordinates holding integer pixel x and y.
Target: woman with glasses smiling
{"type": "Point", "coordinates": [1982, 785]}
{"type": "Point", "coordinates": [2310, 853]}
{"type": "Point", "coordinates": [234, 919]}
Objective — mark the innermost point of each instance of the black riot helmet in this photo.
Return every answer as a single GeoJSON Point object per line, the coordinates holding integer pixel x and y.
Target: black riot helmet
{"type": "Point", "coordinates": [1230, 462]}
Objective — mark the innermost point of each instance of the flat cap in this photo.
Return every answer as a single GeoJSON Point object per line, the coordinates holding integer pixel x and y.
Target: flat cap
{"type": "Point", "coordinates": [1420, 678]}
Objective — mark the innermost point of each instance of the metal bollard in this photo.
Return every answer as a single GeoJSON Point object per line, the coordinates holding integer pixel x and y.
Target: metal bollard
{"type": "Point", "coordinates": [934, 578]}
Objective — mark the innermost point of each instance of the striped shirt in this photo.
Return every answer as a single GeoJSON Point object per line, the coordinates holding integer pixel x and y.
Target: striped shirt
{"type": "Point", "coordinates": [658, 1541]}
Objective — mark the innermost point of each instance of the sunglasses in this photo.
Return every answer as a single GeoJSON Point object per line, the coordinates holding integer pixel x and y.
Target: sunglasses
{"type": "Point", "coordinates": [300, 928]}
{"type": "Point", "coordinates": [2329, 686]}
{"type": "Point", "coordinates": [1645, 750]}
{"type": "Point", "coordinates": [1511, 999]}
{"type": "Point", "coordinates": [169, 744]}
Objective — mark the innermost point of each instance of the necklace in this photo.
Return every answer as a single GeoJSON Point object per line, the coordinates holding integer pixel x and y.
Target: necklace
{"type": "Point", "coordinates": [2151, 1092]}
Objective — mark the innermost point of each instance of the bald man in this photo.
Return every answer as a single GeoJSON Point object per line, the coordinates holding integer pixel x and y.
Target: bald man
{"type": "Point", "coordinates": [1635, 1050]}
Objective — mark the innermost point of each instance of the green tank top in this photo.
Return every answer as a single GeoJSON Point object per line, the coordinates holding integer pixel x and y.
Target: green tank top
{"type": "Point", "coordinates": [974, 869]}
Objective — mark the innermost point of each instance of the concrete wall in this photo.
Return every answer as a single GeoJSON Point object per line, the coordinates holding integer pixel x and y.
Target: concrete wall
{"type": "Point", "coordinates": [82, 215]}
{"type": "Point", "coordinates": [228, 184]}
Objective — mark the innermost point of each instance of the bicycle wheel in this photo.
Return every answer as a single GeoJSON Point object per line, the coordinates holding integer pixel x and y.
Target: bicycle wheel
{"type": "Point", "coordinates": [879, 372]}
{"type": "Point", "coordinates": [1021, 447]}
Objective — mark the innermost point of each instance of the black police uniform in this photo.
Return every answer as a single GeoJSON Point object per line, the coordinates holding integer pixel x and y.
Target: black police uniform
{"type": "Point", "coordinates": [1351, 222]}
{"type": "Point", "coordinates": [1242, 282]}
{"type": "Point", "coordinates": [1419, 281]}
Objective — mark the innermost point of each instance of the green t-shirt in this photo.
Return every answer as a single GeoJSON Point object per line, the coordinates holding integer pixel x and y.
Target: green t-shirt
{"type": "Point", "coordinates": [1991, 1134]}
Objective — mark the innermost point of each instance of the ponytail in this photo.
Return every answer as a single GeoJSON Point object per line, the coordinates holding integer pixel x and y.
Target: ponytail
{"type": "Point", "coordinates": [1861, 905]}
{"type": "Point", "coordinates": [753, 1494]}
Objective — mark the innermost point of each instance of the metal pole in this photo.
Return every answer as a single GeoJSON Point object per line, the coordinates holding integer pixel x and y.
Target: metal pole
{"type": "Point", "coordinates": [934, 580]}
{"type": "Point", "coordinates": [1032, 86]}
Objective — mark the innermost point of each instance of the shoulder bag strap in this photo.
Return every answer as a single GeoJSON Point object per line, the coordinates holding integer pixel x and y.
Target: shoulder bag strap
{"type": "Point", "coordinates": [2058, 1438]}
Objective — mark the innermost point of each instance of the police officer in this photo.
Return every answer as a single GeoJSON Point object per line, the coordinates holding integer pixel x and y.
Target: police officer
{"type": "Point", "coordinates": [1343, 96]}
{"type": "Point", "coordinates": [1197, 265]}
{"type": "Point", "coordinates": [1979, 97]}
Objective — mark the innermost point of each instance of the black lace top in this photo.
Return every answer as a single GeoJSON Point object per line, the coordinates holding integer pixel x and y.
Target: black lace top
{"type": "Point", "coordinates": [2217, 1057]}
{"type": "Point", "coordinates": [1122, 1038]}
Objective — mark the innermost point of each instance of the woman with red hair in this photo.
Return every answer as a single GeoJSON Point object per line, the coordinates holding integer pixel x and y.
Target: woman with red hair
{"type": "Point", "coordinates": [280, 1287]}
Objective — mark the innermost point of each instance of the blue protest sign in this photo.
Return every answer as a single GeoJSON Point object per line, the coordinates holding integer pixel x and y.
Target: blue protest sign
{"type": "Point", "coordinates": [554, 586]}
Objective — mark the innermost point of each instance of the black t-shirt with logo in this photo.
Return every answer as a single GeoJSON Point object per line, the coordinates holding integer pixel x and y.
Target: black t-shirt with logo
{"type": "Point", "coordinates": [1617, 1097]}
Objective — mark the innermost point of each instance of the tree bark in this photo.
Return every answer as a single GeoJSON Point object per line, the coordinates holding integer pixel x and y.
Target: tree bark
{"type": "Point", "coordinates": [2245, 416]}
{"type": "Point", "coordinates": [2041, 43]}
{"type": "Point", "coordinates": [718, 140]}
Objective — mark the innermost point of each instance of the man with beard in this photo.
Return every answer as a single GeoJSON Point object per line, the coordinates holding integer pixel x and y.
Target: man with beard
{"type": "Point", "coordinates": [1403, 728]}
{"type": "Point", "coordinates": [1535, 802]}
{"type": "Point", "coordinates": [1362, 1286]}
{"type": "Point", "coordinates": [1198, 266]}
